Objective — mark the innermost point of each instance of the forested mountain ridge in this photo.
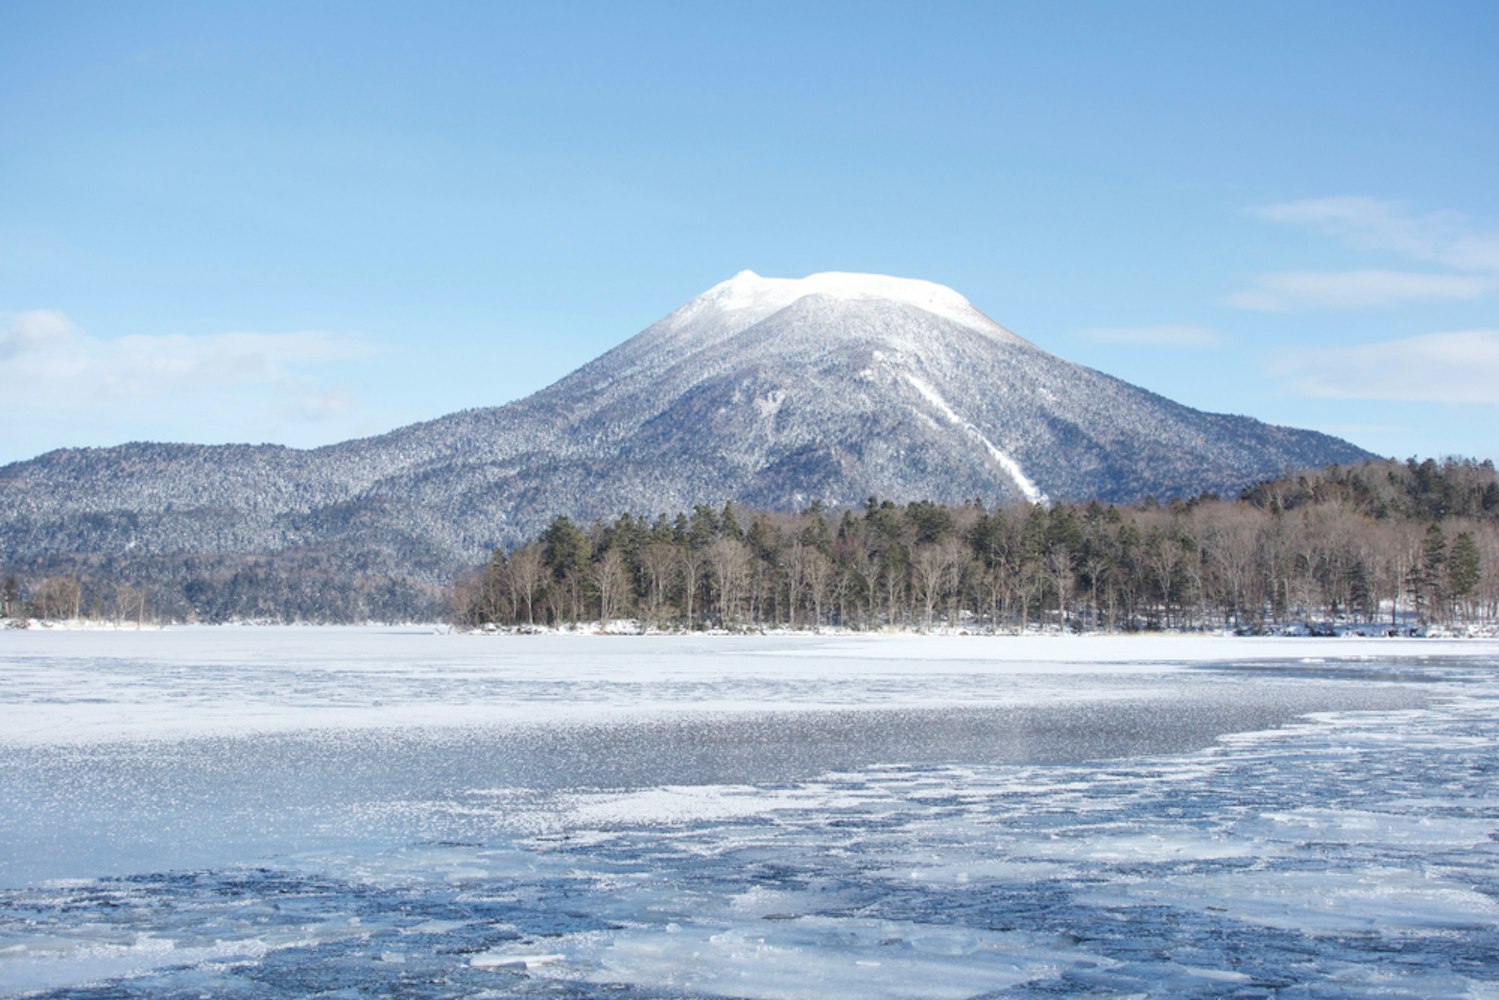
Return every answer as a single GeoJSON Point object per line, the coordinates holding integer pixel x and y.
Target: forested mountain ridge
{"type": "Point", "coordinates": [767, 392]}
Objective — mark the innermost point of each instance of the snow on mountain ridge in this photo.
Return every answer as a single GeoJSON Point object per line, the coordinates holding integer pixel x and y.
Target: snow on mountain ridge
{"type": "Point", "coordinates": [750, 298]}
{"type": "Point", "coordinates": [773, 319]}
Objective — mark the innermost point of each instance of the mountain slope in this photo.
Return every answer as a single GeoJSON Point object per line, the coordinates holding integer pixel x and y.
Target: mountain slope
{"type": "Point", "coordinates": [769, 392]}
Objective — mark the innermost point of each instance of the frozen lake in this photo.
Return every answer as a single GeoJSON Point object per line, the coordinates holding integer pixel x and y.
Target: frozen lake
{"type": "Point", "coordinates": [376, 812]}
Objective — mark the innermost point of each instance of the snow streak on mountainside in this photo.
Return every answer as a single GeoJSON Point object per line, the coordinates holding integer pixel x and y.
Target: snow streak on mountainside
{"type": "Point", "coordinates": [769, 392]}
{"type": "Point", "coordinates": [1028, 489]}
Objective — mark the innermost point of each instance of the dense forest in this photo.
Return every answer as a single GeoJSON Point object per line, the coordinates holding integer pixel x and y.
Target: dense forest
{"type": "Point", "coordinates": [1396, 545]}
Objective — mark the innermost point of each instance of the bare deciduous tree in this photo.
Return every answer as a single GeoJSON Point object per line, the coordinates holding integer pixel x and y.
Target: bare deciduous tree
{"type": "Point", "coordinates": [729, 563]}
{"type": "Point", "coordinates": [611, 580]}
{"type": "Point", "coordinates": [524, 573]}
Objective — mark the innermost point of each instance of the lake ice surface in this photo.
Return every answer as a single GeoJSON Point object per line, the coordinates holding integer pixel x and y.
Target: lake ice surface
{"type": "Point", "coordinates": [375, 812]}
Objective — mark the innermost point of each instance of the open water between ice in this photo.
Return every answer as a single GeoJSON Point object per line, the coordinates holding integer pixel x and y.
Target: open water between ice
{"type": "Point", "coordinates": [232, 813]}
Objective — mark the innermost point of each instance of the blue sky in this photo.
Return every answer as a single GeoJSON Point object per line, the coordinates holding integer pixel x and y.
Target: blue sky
{"type": "Point", "coordinates": [301, 223]}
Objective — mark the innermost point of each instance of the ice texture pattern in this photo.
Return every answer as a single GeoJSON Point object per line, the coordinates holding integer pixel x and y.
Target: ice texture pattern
{"type": "Point", "coordinates": [288, 812]}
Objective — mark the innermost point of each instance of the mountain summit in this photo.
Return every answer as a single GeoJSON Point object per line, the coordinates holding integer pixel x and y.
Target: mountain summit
{"type": "Point", "coordinates": [753, 298]}
{"type": "Point", "coordinates": [769, 392]}
{"type": "Point", "coordinates": [776, 392]}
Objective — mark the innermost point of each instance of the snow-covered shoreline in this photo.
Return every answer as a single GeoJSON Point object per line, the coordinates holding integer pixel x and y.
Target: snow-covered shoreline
{"type": "Point", "coordinates": [634, 627]}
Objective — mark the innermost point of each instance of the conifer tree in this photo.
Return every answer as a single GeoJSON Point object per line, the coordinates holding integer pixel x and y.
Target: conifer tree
{"type": "Point", "coordinates": [1464, 570]}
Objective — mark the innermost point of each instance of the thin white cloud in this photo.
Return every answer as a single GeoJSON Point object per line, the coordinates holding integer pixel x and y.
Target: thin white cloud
{"type": "Point", "coordinates": [1286, 290]}
{"type": "Point", "coordinates": [1446, 238]}
{"type": "Point", "coordinates": [1168, 335]}
{"type": "Point", "coordinates": [226, 386]}
{"type": "Point", "coordinates": [1469, 258]}
{"type": "Point", "coordinates": [142, 363]}
{"type": "Point", "coordinates": [1460, 367]}
{"type": "Point", "coordinates": [40, 331]}
{"type": "Point", "coordinates": [316, 405]}
{"type": "Point", "coordinates": [46, 357]}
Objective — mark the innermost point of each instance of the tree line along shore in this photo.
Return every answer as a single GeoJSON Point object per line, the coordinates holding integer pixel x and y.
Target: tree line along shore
{"type": "Point", "coordinates": [1395, 546]}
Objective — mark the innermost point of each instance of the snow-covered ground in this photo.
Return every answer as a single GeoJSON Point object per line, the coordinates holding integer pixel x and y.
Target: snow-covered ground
{"type": "Point", "coordinates": [371, 812]}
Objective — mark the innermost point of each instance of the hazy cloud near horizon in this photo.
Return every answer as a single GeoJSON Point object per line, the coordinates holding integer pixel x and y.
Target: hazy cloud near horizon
{"type": "Point", "coordinates": [56, 373]}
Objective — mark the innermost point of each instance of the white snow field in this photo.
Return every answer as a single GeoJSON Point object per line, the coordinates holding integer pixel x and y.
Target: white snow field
{"type": "Point", "coordinates": [258, 812]}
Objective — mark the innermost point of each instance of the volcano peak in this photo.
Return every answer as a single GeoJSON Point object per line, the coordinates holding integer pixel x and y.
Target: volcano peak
{"type": "Point", "coordinates": [748, 291]}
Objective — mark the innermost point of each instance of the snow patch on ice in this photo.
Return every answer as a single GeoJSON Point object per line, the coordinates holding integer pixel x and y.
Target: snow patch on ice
{"type": "Point", "coordinates": [668, 805]}
{"type": "Point", "coordinates": [510, 960]}
{"type": "Point", "coordinates": [1333, 902]}
{"type": "Point", "coordinates": [833, 957]}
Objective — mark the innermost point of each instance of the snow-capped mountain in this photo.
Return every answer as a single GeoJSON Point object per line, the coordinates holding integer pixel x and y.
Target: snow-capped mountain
{"type": "Point", "coordinates": [769, 392]}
